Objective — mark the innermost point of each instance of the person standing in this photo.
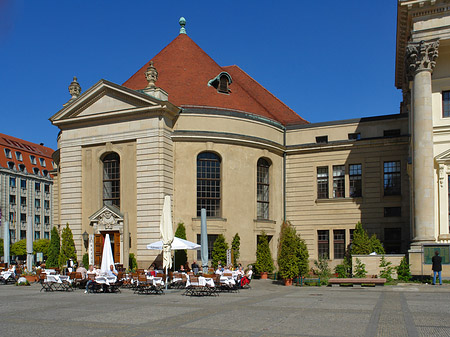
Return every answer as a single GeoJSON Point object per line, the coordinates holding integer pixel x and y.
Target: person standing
{"type": "Point", "coordinates": [437, 267]}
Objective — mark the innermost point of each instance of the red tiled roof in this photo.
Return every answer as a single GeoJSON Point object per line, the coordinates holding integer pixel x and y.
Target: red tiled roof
{"type": "Point", "coordinates": [184, 70]}
{"type": "Point", "coordinates": [26, 149]}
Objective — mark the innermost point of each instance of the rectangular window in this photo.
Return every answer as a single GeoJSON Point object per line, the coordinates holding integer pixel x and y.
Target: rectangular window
{"type": "Point", "coordinates": [12, 199]}
{"type": "Point", "coordinates": [46, 204]}
{"type": "Point", "coordinates": [322, 182]}
{"type": "Point", "coordinates": [449, 202]}
{"type": "Point", "coordinates": [211, 239]}
{"type": "Point", "coordinates": [208, 184]}
{"type": "Point", "coordinates": [12, 235]}
{"type": "Point", "coordinates": [262, 189]}
{"type": "Point", "coordinates": [322, 139]}
{"type": "Point", "coordinates": [323, 242]}
{"type": "Point", "coordinates": [46, 235]}
{"type": "Point", "coordinates": [23, 217]}
{"type": "Point", "coordinates": [33, 160]}
{"type": "Point", "coordinates": [339, 243]}
{"type": "Point", "coordinates": [391, 133]}
{"type": "Point", "coordinates": [37, 235]}
{"type": "Point", "coordinates": [355, 179]}
{"type": "Point", "coordinates": [37, 203]}
{"type": "Point", "coordinates": [446, 103]}
{"type": "Point", "coordinates": [12, 182]}
{"type": "Point", "coordinates": [354, 136]}
{"type": "Point", "coordinates": [23, 234]}
{"type": "Point", "coordinates": [46, 188]}
{"type": "Point", "coordinates": [37, 219]}
{"type": "Point", "coordinates": [46, 220]}
{"type": "Point", "coordinates": [392, 178]}
{"type": "Point", "coordinates": [23, 183]}
{"type": "Point", "coordinates": [37, 187]}
{"type": "Point", "coordinates": [23, 201]}
{"type": "Point", "coordinates": [392, 212]}
{"type": "Point", "coordinates": [339, 181]}
{"type": "Point", "coordinates": [11, 217]}
{"type": "Point", "coordinates": [392, 240]}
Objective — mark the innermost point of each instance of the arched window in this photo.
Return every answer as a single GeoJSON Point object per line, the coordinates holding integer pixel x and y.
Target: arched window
{"type": "Point", "coordinates": [262, 189]}
{"type": "Point", "coordinates": [208, 184]}
{"type": "Point", "coordinates": [111, 179]}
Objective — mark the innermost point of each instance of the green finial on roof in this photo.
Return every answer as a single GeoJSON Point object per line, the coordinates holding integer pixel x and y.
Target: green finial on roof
{"type": "Point", "coordinates": [182, 23]}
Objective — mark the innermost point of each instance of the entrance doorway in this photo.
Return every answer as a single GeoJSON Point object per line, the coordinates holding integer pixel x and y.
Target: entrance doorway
{"type": "Point", "coordinates": [99, 240]}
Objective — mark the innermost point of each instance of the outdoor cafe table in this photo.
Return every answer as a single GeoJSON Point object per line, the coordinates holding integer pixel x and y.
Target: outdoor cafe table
{"type": "Point", "coordinates": [202, 281]}
{"type": "Point", "coordinates": [156, 281]}
{"type": "Point", "coordinates": [59, 282]}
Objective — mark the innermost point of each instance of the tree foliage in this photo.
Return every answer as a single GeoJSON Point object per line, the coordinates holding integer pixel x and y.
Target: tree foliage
{"type": "Point", "coordinates": [53, 250]}
{"type": "Point", "coordinates": [322, 269]}
{"type": "Point", "coordinates": [132, 262]}
{"type": "Point", "coordinates": [403, 271]}
{"type": "Point", "coordinates": [386, 269]}
{"type": "Point", "coordinates": [19, 248]}
{"type": "Point", "coordinates": [67, 246]}
{"type": "Point", "coordinates": [219, 252]}
{"type": "Point", "coordinates": [180, 255]}
{"type": "Point", "coordinates": [362, 244]}
{"type": "Point", "coordinates": [360, 269]}
{"type": "Point", "coordinates": [235, 246]}
{"type": "Point", "coordinates": [41, 246]}
{"type": "Point", "coordinates": [293, 257]}
{"type": "Point", "coordinates": [86, 260]}
{"type": "Point", "coordinates": [264, 261]}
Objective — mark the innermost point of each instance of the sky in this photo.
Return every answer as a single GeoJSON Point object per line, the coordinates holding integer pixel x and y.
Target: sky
{"type": "Point", "coordinates": [327, 60]}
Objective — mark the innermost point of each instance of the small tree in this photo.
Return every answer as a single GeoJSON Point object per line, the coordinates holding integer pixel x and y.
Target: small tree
{"type": "Point", "coordinates": [322, 269]}
{"type": "Point", "coordinates": [303, 256]}
{"type": "Point", "coordinates": [264, 261]}
{"type": "Point", "coordinates": [53, 250]}
{"type": "Point", "coordinates": [288, 252]}
{"type": "Point", "coordinates": [86, 260]}
{"type": "Point", "coordinates": [19, 248]}
{"type": "Point", "coordinates": [360, 269]}
{"type": "Point", "coordinates": [386, 269]}
{"type": "Point", "coordinates": [219, 252]}
{"type": "Point", "coordinates": [41, 246]}
{"type": "Point", "coordinates": [67, 247]}
{"type": "Point", "coordinates": [341, 270]}
{"type": "Point", "coordinates": [235, 246]}
{"type": "Point", "coordinates": [132, 262]}
{"type": "Point", "coordinates": [180, 255]}
{"type": "Point", "coordinates": [403, 271]}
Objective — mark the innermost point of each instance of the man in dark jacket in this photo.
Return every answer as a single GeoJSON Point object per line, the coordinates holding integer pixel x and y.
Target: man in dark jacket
{"type": "Point", "coordinates": [437, 267]}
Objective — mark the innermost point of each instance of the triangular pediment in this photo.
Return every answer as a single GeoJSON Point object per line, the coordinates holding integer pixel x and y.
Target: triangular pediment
{"type": "Point", "coordinates": [105, 213]}
{"type": "Point", "coordinates": [443, 157]}
{"type": "Point", "coordinates": [106, 99]}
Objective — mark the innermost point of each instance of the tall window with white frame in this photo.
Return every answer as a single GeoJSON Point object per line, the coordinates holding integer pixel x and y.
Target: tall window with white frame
{"type": "Point", "coordinates": [339, 181]}
{"type": "Point", "coordinates": [392, 178]}
{"type": "Point", "coordinates": [208, 184]}
{"type": "Point", "coordinates": [262, 194]}
{"type": "Point", "coordinates": [339, 243]}
{"type": "Point", "coordinates": [446, 103]}
{"type": "Point", "coordinates": [355, 180]}
{"type": "Point", "coordinates": [111, 179]}
{"type": "Point", "coordinates": [322, 182]}
{"type": "Point", "coordinates": [323, 243]}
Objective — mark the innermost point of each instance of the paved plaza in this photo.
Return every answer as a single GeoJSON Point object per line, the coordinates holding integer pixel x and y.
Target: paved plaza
{"type": "Point", "coordinates": [265, 310]}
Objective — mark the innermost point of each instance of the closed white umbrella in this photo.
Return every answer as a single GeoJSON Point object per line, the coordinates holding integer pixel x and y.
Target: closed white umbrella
{"type": "Point", "coordinates": [166, 229]}
{"type": "Point", "coordinates": [177, 244]}
{"type": "Point", "coordinates": [107, 256]}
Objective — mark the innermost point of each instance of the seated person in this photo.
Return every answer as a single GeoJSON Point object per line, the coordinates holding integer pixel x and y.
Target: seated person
{"type": "Point", "coordinates": [240, 272]}
{"type": "Point", "coordinates": [181, 269]}
{"type": "Point", "coordinates": [227, 269]}
{"type": "Point", "coordinates": [195, 267]}
{"type": "Point", "coordinates": [89, 282]}
{"type": "Point", "coordinates": [219, 270]}
{"type": "Point", "coordinates": [112, 272]}
{"type": "Point", "coordinates": [246, 278]}
{"type": "Point", "coordinates": [82, 270]}
{"type": "Point", "coordinates": [186, 267]}
{"type": "Point", "coordinates": [151, 271]}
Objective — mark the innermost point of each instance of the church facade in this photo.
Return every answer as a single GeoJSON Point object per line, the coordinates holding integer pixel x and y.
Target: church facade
{"type": "Point", "coordinates": [212, 137]}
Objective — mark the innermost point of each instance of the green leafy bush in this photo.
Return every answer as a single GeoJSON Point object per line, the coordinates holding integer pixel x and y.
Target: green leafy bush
{"type": "Point", "coordinates": [41, 246]}
{"type": "Point", "coordinates": [386, 269]}
{"type": "Point", "coordinates": [322, 269]}
{"type": "Point", "coordinates": [67, 247]}
{"type": "Point", "coordinates": [180, 255]}
{"type": "Point", "coordinates": [235, 246]}
{"type": "Point", "coordinates": [293, 256]}
{"type": "Point", "coordinates": [86, 260]}
{"type": "Point", "coordinates": [303, 256]}
{"type": "Point", "coordinates": [362, 244]}
{"type": "Point", "coordinates": [19, 248]}
{"type": "Point", "coordinates": [264, 261]}
{"type": "Point", "coordinates": [132, 262]}
{"type": "Point", "coordinates": [403, 271]}
{"type": "Point", "coordinates": [360, 269]}
{"type": "Point", "coordinates": [53, 250]}
{"type": "Point", "coordinates": [219, 252]}
{"type": "Point", "coordinates": [341, 270]}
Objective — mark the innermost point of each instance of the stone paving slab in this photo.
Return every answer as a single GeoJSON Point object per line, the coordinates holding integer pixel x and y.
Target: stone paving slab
{"type": "Point", "coordinates": [268, 309]}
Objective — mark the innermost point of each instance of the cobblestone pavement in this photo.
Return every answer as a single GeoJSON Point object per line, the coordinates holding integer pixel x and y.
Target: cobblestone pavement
{"type": "Point", "coordinates": [265, 310]}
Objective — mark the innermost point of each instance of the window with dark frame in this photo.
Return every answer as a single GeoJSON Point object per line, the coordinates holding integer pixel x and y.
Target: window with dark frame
{"type": "Point", "coordinates": [323, 243]}
{"type": "Point", "coordinates": [223, 85]}
{"type": "Point", "coordinates": [354, 136]}
{"type": "Point", "coordinates": [12, 199]}
{"type": "Point", "coordinates": [46, 220]}
{"type": "Point", "coordinates": [46, 235]}
{"type": "Point", "coordinates": [12, 182]}
{"type": "Point", "coordinates": [351, 234]}
{"type": "Point", "coordinates": [322, 182]}
{"type": "Point", "coordinates": [8, 153]}
{"type": "Point", "coordinates": [339, 181]}
{"type": "Point", "coordinates": [11, 165]}
{"type": "Point", "coordinates": [47, 204]}
{"type": "Point", "coordinates": [37, 219]}
{"type": "Point", "coordinates": [37, 203]}
{"type": "Point", "coordinates": [23, 217]}
{"type": "Point", "coordinates": [23, 234]}
{"type": "Point", "coordinates": [262, 194]}
{"type": "Point", "coordinates": [355, 180]}
{"type": "Point", "coordinates": [446, 104]}
{"type": "Point", "coordinates": [392, 242]}
{"type": "Point", "coordinates": [37, 187]}
{"type": "Point", "coordinates": [339, 243]}
{"type": "Point", "coordinates": [23, 201]}
{"type": "Point", "coordinates": [47, 188]}
{"type": "Point", "coordinates": [208, 184]}
{"type": "Point", "coordinates": [392, 178]}
{"type": "Point", "coordinates": [392, 212]}
{"type": "Point", "coordinates": [23, 184]}
{"type": "Point", "coordinates": [111, 180]}
{"type": "Point", "coordinates": [37, 235]}
{"type": "Point", "coordinates": [392, 133]}
{"type": "Point", "coordinates": [322, 139]}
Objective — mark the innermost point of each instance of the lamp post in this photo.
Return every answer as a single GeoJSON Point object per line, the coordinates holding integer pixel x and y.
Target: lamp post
{"type": "Point", "coordinates": [85, 236]}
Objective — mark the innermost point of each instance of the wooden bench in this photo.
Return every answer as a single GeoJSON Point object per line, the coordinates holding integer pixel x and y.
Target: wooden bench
{"type": "Point", "coordinates": [358, 282]}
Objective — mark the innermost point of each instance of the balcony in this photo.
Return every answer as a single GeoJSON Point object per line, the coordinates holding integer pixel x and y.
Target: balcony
{"type": "Point", "coordinates": [23, 225]}
{"type": "Point", "coordinates": [23, 208]}
{"type": "Point", "coordinates": [37, 226]}
{"type": "Point", "coordinates": [47, 195]}
{"type": "Point", "coordinates": [47, 211]}
{"type": "Point", "coordinates": [23, 191]}
{"type": "Point", "coordinates": [37, 210]}
{"type": "Point", "coordinates": [12, 190]}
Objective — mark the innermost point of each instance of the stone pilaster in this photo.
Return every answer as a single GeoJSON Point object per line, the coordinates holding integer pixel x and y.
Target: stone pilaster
{"type": "Point", "coordinates": [421, 59]}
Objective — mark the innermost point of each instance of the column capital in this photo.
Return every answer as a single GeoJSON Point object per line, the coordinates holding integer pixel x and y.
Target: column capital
{"type": "Point", "coordinates": [421, 56]}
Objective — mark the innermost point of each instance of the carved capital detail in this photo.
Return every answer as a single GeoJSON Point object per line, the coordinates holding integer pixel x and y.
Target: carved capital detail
{"type": "Point", "coordinates": [421, 56]}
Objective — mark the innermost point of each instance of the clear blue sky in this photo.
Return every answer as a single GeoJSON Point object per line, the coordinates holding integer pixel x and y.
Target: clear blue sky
{"type": "Point", "coordinates": [327, 60]}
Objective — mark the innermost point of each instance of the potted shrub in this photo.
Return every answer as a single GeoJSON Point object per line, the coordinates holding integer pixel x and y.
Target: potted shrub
{"type": "Point", "coordinates": [287, 253]}
{"type": "Point", "coordinates": [264, 261]}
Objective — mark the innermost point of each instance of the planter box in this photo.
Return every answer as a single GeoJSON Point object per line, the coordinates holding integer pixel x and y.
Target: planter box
{"type": "Point", "coordinates": [31, 278]}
